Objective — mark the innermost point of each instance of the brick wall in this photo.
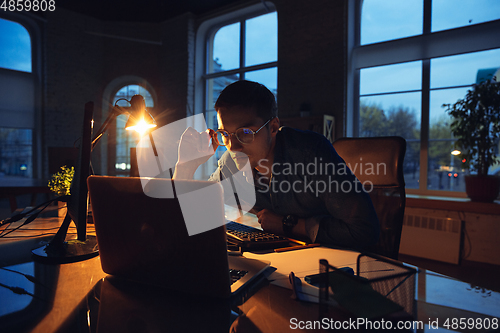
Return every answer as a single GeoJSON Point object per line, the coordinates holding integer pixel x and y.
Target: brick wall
{"type": "Point", "coordinates": [82, 56]}
{"type": "Point", "coordinates": [71, 76]}
{"type": "Point", "coordinates": [177, 67]}
{"type": "Point", "coordinates": [312, 58]}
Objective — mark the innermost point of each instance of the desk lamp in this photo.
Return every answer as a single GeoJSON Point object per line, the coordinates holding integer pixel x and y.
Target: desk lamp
{"type": "Point", "coordinates": [139, 119]}
{"type": "Point", "coordinates": [85, 247]}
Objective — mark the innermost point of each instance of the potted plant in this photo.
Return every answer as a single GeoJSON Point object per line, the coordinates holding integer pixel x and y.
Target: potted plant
{"type": "Point", "coordinates": [476, 126]}
{"type": "Point", "coordinates": [60, 184]}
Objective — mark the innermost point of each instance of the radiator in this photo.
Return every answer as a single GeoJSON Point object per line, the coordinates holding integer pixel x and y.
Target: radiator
{"type": "Point", "coordinates": [433, 238]}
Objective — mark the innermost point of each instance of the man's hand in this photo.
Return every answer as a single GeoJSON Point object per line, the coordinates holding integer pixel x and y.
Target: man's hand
{"type": "Point", "coordinates": [195, 148]}
{"type": "Point", "coordinates": [270, 222]}
{"type": "Point", "coordinates": [273, 223]}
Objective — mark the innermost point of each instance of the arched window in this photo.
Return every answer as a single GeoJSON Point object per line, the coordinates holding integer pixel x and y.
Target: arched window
{"type": "Point", "coordinates": [241, 45]}
{"type": "Point", "coordinates": [17, 93]}
{"type": "Point", "coordinates": [127, 139]}
{"type": "Point", "coordinates": [16, 46]}
{"type": "Point", "coordinates": [244, 50]}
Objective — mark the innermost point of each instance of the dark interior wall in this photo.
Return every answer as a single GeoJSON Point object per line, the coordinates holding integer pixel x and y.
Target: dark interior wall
{"type": "Point", "coordinates": [83, 55]}
{"type": "Point", "coordinates": [312, 58]}
{"type": "Point", "coordinates": [176, 68]}
{"type": "Point", "coordinates": [130, 49]}
{"type": "Point", "coordinates": [72, 75]}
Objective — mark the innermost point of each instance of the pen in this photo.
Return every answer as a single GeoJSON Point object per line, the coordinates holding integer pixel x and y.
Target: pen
{"type": "Point", "coordinates": [297, 241]}
{"type": "Point", "coordinates": [298, 247]}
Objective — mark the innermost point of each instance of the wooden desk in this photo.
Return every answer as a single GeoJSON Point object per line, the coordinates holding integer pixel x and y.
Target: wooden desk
{"type": "Point", "coordinates": [65, 295]}
{"type": "Point", "coordinates": [11, 188]}
{"type": "Point", "coordinates": [58, 289]}
{"type": "Point", "coordinates": [439, 299]}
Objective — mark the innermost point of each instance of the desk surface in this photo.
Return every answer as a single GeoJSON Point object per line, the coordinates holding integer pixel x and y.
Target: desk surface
{"type": "Point", "coordinates": [63, 295]}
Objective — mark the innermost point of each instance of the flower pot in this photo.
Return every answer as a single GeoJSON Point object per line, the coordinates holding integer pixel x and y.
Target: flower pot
{"type": "Point", "coordinates": [482, 188]}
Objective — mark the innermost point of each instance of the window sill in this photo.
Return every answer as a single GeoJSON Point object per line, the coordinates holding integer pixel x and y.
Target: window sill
{"type": "Point", "coordinates": [453, 204]}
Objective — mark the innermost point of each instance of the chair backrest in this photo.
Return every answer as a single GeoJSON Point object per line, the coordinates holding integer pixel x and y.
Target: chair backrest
{"type": "Point", "coordinates": [377, 162]}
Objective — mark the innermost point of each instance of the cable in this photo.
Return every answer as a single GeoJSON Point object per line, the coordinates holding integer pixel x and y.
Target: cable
{"type": "Point", "coordinates": [12, 219]}
{"type": "Point", "coordinates": [39, 229]}
{"type": "Point", "coordinates": [4, 230]}
{"type": "Point", "coordinates": [39, 235]}
{"type": "Point", "coordinates": [30, 278]}
{"type": "Point", "coordinates": [44, 229]}
{"type": "Point", "coordinates": [19, 216]}
{"type": "Point", "coordinates": [21, 291]}
{"type": "Point", "coordinates": [121, 99]}
{"type": "Point", "coordinates": [17, 290]}
{"type": "Point", "coordinates": [29, 218]}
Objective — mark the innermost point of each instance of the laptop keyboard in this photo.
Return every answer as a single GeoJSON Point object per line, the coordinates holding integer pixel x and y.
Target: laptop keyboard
{"type": "Point", "coordinates": [247, 237]}
{"type": "Point", "coordinates": [236, 275]}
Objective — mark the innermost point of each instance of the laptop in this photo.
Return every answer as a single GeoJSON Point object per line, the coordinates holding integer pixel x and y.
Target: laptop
{"type": "Point", "coordinates": [144, 238]}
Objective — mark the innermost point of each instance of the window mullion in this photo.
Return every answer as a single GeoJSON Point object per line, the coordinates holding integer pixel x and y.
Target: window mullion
{"type": "Point", "coordinates": [357, 30]}
{"type": "Point", "coordinates": [241, 70]}
{"type": "Point", "coordinates": [355, 120]}
{"type": "Point", "coordinates": [427, 17]}
{"type": "Point", "coordinates": [424, 123]}
{"type": "Point", "coordinates": [242, 47]}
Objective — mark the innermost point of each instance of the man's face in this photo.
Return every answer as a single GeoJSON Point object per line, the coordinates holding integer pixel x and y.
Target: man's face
{"type": "Point", "coordinates": [263, 143]}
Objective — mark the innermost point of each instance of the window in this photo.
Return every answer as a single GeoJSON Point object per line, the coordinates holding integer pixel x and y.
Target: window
{"type": "Point", "coordinates": [17, 93]}
{"type": "Point", "coordinates": [406, 63]}
{"type": "Point", "coordinates": [16, 46]}
{"type": "Point", "coordinates": [386, 20]}
{"type": "Point", "coordinates": [127, 139]}
{"type": "Point", "coordinates": [252, 58]}
{"type": "Point", "coordinates": [392, 107]}
{"type": "Point", "coordinates": [447, 15]}
{"type": "Point", "coordinates": [245, 48]}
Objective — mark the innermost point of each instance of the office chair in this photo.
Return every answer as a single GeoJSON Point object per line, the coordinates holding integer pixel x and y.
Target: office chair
{"type": "Point", "coordinates": [385, 155]}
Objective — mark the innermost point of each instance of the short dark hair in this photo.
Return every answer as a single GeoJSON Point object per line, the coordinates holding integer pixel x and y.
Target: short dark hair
{"type": "Point", "coordinates": [248, 94]}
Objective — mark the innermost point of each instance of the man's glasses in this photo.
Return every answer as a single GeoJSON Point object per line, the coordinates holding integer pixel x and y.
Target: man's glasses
{"type": "Point", "coordinates": [244, 135]}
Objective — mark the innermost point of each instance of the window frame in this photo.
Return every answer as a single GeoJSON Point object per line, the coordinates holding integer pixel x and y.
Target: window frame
{"type": "Point", "coordinates": [424, 47]}
{"type": "Point", "coordinates": [107, 146]}
{"type": "Point", "coordinates": [32, 24]}
{"type": "Point", "coordinates": [204, 36]}
{"type": "Point", "coordinates": [118, 125]}
{"type": "Point", "coordinates": [242, 69]}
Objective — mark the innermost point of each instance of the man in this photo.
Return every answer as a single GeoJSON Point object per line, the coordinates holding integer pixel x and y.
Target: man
{"type": "Point", "coordinates": [303, 188]}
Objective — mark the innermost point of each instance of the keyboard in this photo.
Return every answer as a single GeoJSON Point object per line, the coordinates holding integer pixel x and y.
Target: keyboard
{"type": "Point", "coordinates": [236, 274]}
{"type": "Point", "coordinates": [249, 238]}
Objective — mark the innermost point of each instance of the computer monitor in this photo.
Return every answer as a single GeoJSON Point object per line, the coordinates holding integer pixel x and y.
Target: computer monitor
{"type": "Point", "coordinates": [85, 247]}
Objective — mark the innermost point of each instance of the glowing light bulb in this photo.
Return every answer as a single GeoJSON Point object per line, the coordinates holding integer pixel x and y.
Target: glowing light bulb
{"type": "Point", "coordinates": [141, 127]}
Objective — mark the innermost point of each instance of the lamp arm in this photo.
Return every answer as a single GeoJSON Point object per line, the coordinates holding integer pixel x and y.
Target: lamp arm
{"type": "Point", "coordinates": [104, 127]}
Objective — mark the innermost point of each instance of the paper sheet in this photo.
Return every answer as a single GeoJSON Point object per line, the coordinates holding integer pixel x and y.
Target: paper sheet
{"type": "Point", "coordinates": [302, 262]}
